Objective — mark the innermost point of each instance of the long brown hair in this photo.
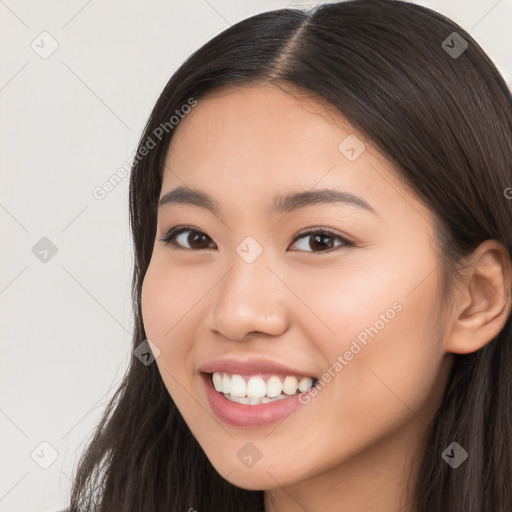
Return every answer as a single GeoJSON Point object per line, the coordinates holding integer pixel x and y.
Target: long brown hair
{"type": "Point", "coordinates": [444, 116]}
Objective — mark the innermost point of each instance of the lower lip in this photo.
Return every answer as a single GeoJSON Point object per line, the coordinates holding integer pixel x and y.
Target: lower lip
{"type": "Point", "coordinates": [242, 415]}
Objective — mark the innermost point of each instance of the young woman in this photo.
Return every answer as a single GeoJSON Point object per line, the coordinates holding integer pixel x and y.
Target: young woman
{"type": "Point", "coordinates": [322, 223]}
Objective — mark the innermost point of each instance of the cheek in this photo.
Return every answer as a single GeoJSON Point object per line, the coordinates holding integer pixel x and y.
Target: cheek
{"type": "Point", "coordinates": [171, 298]}
{"type": "Point", "coordinates": [383, 353]}
{"type": "Point", "coordinates": [161, 310]}
{"type": "Point", "coordinates": [165, 300]}
{"type": "Point", "coordinates": [375, 295]}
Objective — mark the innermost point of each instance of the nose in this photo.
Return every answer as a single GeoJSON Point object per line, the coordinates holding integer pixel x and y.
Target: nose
{"type": "Point", "coordinates": [249, 299]}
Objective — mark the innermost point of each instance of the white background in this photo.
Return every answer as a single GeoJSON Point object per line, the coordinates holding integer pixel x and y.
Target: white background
{"type": "Point", "coordinates": [68, 123]}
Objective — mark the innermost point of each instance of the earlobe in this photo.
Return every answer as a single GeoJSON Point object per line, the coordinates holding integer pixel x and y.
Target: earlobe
{"type": "Point", "coordinates": [483, 302]}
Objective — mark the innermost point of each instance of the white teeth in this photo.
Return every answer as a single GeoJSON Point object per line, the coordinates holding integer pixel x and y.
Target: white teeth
{"type": "Point", "coordinates": [217, 381]}
{"type": "Point", "coordinates": [254, 401]}
{"type": "Point", "coordinates": [256, 387]}
{"type": "Point", "coordinates": [237, 399]}
{"type": "Point", "coordinates": [305, 383]}
{"type": "Point", "coordinates": [256, 390]}
{"type": "Point", "coordinates": [290, 385]}
{"type": "Point", "coordinates": [274, 387]}
{"type": "Point", "coordinates": [238, 386]}
{"type": "Point", "coordinates": [226, 384]}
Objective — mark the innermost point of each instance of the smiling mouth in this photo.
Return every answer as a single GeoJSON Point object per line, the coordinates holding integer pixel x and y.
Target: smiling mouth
{"type": "Point", "coordinates": [259, 389]}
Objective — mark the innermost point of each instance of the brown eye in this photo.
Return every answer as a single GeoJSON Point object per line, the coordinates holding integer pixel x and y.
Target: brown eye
{"type": "Point", "coordinates": [322, 241]}
{"type": "Point", "coordinates": [187, 238]}
{"type": "Point", "coordinates": [195, 239]}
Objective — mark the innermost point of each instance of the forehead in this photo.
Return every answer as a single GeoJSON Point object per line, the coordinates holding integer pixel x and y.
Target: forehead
{"type": "Point", "coordinates": [263, 110]}
{"type": "Point", "coordinates": [250, 142]}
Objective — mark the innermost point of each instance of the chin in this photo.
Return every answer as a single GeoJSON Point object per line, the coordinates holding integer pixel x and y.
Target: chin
{"type": "Point", "coordinates": [252, 482]}
{"type": "Point", "coordinates": [257, 479]}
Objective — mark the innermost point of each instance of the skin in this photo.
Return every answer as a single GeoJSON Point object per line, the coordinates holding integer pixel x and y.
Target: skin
{"type": "Point", "coordinates": [354, 446]}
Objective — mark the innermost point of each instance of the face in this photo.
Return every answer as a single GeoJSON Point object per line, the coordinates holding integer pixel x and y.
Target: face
{"type": "Point", "coordinates": [340, 289]}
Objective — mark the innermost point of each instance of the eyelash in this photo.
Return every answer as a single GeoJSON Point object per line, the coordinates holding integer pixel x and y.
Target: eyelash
{"type": "Point", "coordinates": [170, 238]}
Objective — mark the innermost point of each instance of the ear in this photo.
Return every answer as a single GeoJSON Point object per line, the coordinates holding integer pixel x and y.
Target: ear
{"type": "Point", "coordinates": [483, 303]}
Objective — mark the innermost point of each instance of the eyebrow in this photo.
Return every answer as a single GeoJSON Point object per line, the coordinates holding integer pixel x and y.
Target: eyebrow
{"type": "Point", "coordinates": [279, 204]}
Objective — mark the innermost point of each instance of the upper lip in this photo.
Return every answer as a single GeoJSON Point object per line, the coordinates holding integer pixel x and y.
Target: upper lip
{"type": "Point", "coordinates": [251, 367]}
